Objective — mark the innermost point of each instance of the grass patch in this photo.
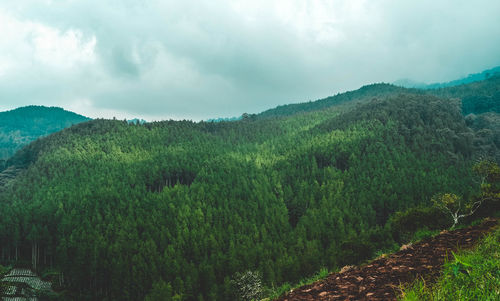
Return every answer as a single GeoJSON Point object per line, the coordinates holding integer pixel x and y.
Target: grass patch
{"type": "Point", "coordinates": [423, 234]}
{"type": "Point", "coordinates": [472, 275]}
{"type": "Point", "coordinates": [274, 293]}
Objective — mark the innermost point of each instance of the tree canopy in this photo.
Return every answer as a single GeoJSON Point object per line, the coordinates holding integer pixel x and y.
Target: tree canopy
{"type": "Point", "coordinates": [176, 208]}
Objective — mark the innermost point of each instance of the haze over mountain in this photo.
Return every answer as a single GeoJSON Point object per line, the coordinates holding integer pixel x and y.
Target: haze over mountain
{"type": "Point", "coordinates": [408, 83]}
{"type": "Point", "coordinates": [117, 210]}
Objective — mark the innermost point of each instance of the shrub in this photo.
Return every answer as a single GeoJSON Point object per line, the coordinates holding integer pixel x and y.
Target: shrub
{"type": "Point", "coordinates": [423, 233]}
{"type": "Point", "coordinates": [355, 251]}
{"type": "Point", "coordinates": [405, 224]}
{"type": "Point", "coordinates": [248, 285]}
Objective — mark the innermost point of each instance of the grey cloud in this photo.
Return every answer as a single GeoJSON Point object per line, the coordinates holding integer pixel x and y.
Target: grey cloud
{"type": "Point", "coordinates": [122, 63]}
{"type": "Point", "coordinates": [163, 59]}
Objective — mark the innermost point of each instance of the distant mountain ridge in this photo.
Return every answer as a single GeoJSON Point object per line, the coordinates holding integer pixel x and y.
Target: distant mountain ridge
{"type": "Point", "coordinates": [479, 93]}
{"type": "Point", "coordinates": [475, 77]}
{"type": "Point", "coordinates": [364, 93]}
{"type": "Point", "coordinates": [477, 97]}
{"type": "Point", "coordinates": [23, 125]}
{"type": "Point", "coordinates": [380, 90]}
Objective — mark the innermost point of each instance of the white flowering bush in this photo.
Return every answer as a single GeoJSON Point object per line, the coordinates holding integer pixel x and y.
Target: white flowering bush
{"type": "Point", "coordinates": [247, 285]}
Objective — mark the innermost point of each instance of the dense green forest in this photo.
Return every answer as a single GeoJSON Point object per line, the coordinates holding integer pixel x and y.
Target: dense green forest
{"type": "Point", "coordinates": [123, 211]}
{"type": "Point", "coordinates": [21, 126]}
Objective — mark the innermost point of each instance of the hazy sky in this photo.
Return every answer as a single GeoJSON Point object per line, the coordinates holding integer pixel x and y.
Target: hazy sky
{"type": "Point", "coordinates": [201, 59]}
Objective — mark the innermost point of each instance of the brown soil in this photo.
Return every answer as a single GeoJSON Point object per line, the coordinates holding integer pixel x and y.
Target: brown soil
{"type": "Point", "coordinates": [381, 278]}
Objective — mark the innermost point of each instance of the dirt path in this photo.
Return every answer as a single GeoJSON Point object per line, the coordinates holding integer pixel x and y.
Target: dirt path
{"type": "Point", "coordinates": [380, 279]}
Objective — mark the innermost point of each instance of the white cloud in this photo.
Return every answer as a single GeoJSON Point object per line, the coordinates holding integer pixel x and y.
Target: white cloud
{"type": "Point", "coordinates": [26, 45]}
{"type": "Point", "coordinates": [61, 49]}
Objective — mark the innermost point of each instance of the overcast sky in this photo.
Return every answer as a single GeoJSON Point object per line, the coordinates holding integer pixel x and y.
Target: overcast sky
{"type": "Point", "coordinates": [202, 59]}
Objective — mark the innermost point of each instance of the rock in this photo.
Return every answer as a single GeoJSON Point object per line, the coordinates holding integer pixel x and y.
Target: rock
{"type": "Point", "coordinates": [406, 247]}
{"type": "Point", "coordinates": [347, 268]}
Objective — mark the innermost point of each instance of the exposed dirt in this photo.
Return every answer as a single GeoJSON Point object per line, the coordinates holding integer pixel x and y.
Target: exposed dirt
{"type": "Point", "coordinates": [381, 278]}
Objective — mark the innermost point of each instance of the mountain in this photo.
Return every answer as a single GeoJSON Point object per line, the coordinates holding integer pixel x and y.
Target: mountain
{"type": "Point", "coordinates": [476, 97]}
{"type": "Point", "coordinates": [365, 93]}
{"type": "Point", "coordinates": [408, 83]}
{"type": "Point", "coordinates": [182, 210]}
{"type": "Point", "coordinates": [20, 126]}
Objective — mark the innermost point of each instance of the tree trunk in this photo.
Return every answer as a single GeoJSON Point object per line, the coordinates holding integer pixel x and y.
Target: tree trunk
{"type": "Point", "coordinates": [35, 253]}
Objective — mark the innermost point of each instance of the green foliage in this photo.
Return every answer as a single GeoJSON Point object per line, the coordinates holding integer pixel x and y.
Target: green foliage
{"type": "Point", "coordinates": [49, 296]}
{"type": "Point", "coordinates": [449, 201]}
{"type": "Point", "coordinates": [424, 234]}
{"type": "Point", "coordinates": [452, 205]}
{"type": "Point", "coordinates": [274, 293]}
{"type": "Point", "coordinates": [476, 97]}
{"type": "Point", "coordinates": [363, 94]}
{"type": "Point", "coordinates": [489, 172]}
{"type": "Point", "coordinates": [23, 125]}
{"type": "Point", "coordinates": [472, 275]}
{"type": "Point", "coordinates": [354, 251]}
{"type": "Point", "coordinates": [161, 291]}
{"type": "Point", "coordinates": [405, 225]}
{"type": "Point", "coordinates": [457, 208]}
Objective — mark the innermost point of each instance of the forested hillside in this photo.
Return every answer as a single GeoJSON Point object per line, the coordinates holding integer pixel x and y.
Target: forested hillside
{"type": "Point", "coordinates": [21, 126]}
{"type": "Point", "coordinates": [176, 209]}
{"type": "Point", "coordinates": [477, 97]}
{"type": "Point", "coordinates": [365, 93]}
